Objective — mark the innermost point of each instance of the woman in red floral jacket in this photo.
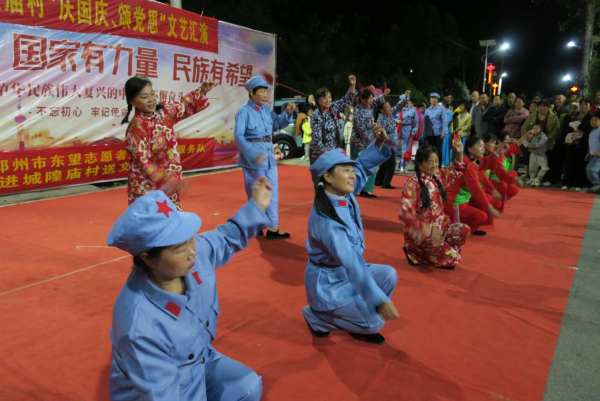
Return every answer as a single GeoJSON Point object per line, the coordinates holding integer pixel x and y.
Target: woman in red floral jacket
{"type": "Point", "coordinates": [430, 237]}
{"type": "Point", "coordinates": [151, 140]}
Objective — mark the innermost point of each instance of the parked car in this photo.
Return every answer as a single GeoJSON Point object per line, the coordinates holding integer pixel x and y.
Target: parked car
{"type": "Point", "coordinates": [286, 138]}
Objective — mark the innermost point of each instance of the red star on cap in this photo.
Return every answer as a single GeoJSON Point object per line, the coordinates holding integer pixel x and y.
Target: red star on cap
{"type": "Point", "coordinates": [163, 208]}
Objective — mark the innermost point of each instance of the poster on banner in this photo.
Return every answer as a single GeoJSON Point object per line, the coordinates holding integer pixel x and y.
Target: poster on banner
{"type": "Point", "coordinates": [61, 83]}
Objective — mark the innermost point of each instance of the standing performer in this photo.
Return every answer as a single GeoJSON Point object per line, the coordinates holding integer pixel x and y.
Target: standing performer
{"type": "Point", "coordinates": [386, 119]}
{"type": "Point", "coordinates": [254, 125]}
{"type": "Point", "coordinates": [343, 291]}
{"type": "Point", "coordinates": [362, 135]}
{"type": "Point", "coordinates": [430, 238]}
{"type": "Point", "coordinates": [165, 317]}
{"type": "Point", "coordinates": [151, 140]}
{"type": "Point", "coordinates": [409, 125]}
{"type": "Point", "coordinates": [438, 123]}
{"type": "Point", "coordinates": [324, 122]}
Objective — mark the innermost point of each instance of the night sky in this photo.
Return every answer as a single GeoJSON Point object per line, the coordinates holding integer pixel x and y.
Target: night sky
{"type": "Point", "coordinates": [538, 57]}
{"type": "Point", "coordinates": [537, 60]}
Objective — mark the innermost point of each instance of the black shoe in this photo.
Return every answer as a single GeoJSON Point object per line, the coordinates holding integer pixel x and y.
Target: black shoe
{"type": "Point", "coordinates": [480, 233]}
{"type": "Point", "coordinates": [369, 338]}
{"type": "Point", "coordinates": [260, 233]}
{"type": "Point", "coordinates": [377, 184]}
{"type": "Point", "coordinates": [410, 262]}
{"type": "Point", "coordinates": [367, 195]}
{"type": "Point", "coordinates": [447, 267]}
{"type": "Point", "coordinates": [277, 235]}
{"type": "Point", "coordinates": [388, 187]}
{"type": "Point", "coordinates": [315, 333]}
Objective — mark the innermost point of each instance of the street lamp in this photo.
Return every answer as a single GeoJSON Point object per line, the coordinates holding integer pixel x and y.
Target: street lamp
{"type": "Point", "coordinates": [487, 43]}
{"type": "Point", "coordinates": [567, 77]}
{"type": "Point", "coordinates": [504, 75]}
{"type": "Point", "coordinates": [572, 44]}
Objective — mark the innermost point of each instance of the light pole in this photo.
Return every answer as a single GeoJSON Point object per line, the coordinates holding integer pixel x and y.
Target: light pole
{"type": "Point", "coordinates": [491, 42]}
{"type": "Point", "coordinates": [486, 43]}
{"type": "Point", "coordinates": [500, 83]}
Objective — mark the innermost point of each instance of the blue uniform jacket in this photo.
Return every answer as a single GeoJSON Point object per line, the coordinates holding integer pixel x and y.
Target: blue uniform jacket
{"type": "Point", "coordinates": [336, 273]}
{"type": "Point", "coordinates": [161, 340]}
{"type": "Point", "coordinates": [253, 122]}
{"type": "Point", "coordinates": [410, 123]}
{"type": "Point", "coordinates": [437, 116]}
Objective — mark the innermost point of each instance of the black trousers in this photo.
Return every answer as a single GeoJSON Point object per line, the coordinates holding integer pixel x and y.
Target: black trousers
{"type": "Point", "coordinates": [556, 158]}
{"type": "Point", "coordinates": [386, 171]}
{"type": "Point", "coordinates": [575, 166]}
{"type": "Point", "coordinates": [436, 141]}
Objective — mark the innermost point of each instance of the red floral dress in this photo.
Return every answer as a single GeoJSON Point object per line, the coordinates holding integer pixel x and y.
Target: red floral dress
{"type": "Point", "coordinates": [418, 222]}
{"type": "Point", "coordinates": [152, 145]}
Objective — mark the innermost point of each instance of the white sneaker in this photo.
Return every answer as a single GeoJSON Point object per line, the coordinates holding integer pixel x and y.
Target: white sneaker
{"type": "Point", "coordinates": [578, 189]}
{"type": "Point", "coordinates": [565, 187]}
{"type": "Point", "coordinates": [546, 183]}
{"type": "Point", "coordinates": [401, 170]}
{"type": "Point", "coordinates": [536, 183]}
{"type": "Point", "coordinates": [594, 189]}
{"type": "Point", "coordinates": [529, 182]}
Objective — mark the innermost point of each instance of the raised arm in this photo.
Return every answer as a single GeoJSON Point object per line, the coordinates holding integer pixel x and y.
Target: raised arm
{"type": "Point", "coordinates": [226, 240]}
{"type": "Point", "coordinates": [370, 159]}
{"type": "Point", "coordinates": [192, 103]}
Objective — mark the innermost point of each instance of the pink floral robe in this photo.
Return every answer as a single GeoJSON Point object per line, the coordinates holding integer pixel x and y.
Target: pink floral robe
{"type": "Point", "coordinates": [152, 145]}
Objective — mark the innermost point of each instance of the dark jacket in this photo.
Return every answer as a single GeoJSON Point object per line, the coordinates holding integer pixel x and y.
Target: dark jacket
{"type": "Point", "coordinates": [495, 119]}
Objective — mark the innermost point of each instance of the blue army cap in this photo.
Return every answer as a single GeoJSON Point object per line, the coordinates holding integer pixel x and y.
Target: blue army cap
{"type": "Point", "coordinates": [255, 82]}
{"type": "Point", "coordinates": [152, 221]}
{"type": "Point", "coordinates": [328, 160]}
{"type": "Point", "coordinates": [434, 95]}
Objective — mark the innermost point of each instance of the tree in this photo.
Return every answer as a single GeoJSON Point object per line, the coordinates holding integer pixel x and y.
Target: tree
{"type": "Point", "coordinates": [588, 10]}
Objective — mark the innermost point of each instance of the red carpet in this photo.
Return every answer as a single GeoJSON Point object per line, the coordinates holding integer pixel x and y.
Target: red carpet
{"type": "Point", "coordinates": [485, 331]}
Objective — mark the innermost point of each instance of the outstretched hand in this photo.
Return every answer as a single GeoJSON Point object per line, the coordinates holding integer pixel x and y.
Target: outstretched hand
{"type": "Point", "coordinates": [496, 213]}
{"type": "Point", "coordinates": [261, 193]}
{"type": "Point", "coordinates": [208, 85]}
{"type": "Point", "coordinates": [387, 311]}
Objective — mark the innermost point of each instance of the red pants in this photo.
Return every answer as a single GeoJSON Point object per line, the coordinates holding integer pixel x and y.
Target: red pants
{"type": "Point", "coordinates": [507, 192]}
{"type": "Point", "coordinates": [471, 214]}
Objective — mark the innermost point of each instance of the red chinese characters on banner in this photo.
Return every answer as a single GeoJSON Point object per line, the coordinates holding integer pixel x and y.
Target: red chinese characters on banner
{"type": "Point", "coordinates": [31, 52]}
{"type": "Point", "coordinates": [30, 170]}
{"type": "Point", "coordinates": [135, 19]}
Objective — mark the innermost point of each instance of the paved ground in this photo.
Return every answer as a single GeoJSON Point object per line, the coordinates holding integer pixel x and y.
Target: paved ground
{"type": "Point", "coordinates": [575, 371]}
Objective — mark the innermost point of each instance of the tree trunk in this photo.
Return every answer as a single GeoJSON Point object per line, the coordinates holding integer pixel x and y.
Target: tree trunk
{"type": "Point", "coordinates": [590, 9]}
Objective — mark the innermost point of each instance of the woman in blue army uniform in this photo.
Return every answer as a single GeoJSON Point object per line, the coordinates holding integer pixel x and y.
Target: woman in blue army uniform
{"type": "Point", "coordinates": [438, 122]}
{"type": "Point", "coordinates": [324, 121]}
{"type": "Point", "coordinates": [165, 317]}
{"type": "Point", "coordinates": [254, 125]}
{"type": "Point", "coordinates": [343, 291]}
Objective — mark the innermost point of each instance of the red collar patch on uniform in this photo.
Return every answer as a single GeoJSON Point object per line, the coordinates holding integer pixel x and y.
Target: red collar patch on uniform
{"type": "Point", "coordinates": [173, 308]}
{"type": "Point", "coordinates": [256, 108]}
{"type": "Point", "coordinates": [197, 278]}
{"type": "Point", "coordinates": [343, 203]}
{"type": "Point", "coordinates": [163, 208]}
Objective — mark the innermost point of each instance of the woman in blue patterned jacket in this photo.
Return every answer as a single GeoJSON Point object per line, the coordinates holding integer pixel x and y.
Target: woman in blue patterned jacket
{"type": "Point", "coordinates": [324, 121]}
{"type": "Point", "coordinates": [362, 135]}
